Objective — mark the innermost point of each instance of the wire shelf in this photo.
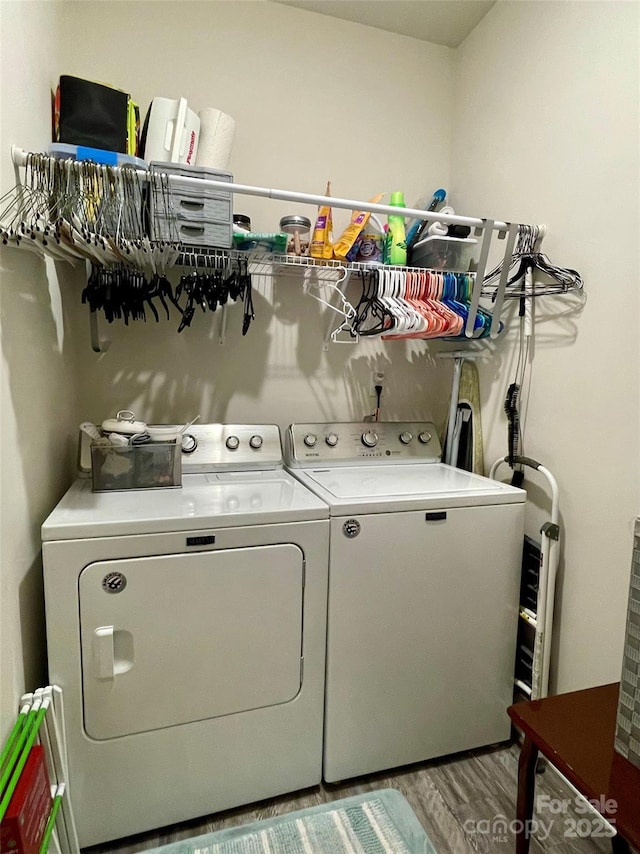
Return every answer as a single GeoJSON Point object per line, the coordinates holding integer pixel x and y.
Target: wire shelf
{"type": "Point", "coordinates": [108, 222]}
{"type": "Point", "coordinates": [271, 263]}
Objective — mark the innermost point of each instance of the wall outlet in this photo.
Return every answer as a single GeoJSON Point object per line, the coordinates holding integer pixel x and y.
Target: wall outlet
{"type": "Point", "coordinates": [378, 377]}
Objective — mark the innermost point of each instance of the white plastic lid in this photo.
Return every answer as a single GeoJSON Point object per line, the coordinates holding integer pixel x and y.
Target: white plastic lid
{"type": "Point", "coordinates": [163, 432]}
{"type": "Point", "coordinates": [125, 423]}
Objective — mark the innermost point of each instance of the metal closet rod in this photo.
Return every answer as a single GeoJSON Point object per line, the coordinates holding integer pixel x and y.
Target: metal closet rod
{"type": "Point", "coordinates": [19, 157]}
{"type": "Point", "coordinates": [483, 227]}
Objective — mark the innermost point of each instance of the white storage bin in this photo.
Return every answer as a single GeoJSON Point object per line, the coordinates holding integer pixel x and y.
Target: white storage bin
{"type": "Point", "coordinates": [445, 253]}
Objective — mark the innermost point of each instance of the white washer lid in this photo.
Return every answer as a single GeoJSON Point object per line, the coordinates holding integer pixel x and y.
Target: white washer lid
{"type": "Point", "coordinates": [204, 501]}
{"type": "Point", "coordinates": [376, 489]}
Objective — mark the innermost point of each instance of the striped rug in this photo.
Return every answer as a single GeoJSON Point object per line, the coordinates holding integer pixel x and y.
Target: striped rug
{"type": "Point", "coordinates": [379, 822]}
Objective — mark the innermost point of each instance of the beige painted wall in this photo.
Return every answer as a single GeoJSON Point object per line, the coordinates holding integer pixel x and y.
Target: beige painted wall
{"type": "Point", "coordinates": [305, 114]}
{"type": "Point", "coordinates": [546, 131]}
{"type": "Point", "coordinates": [314, 99]}
{"type": "Point", "coordinates": [38, 363]}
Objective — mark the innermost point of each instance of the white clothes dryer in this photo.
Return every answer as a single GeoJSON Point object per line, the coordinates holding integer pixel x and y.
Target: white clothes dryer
{"type": "Point", "coordinates": [186, 628]}
{"type": "Point", "coordinates": [424, 577]}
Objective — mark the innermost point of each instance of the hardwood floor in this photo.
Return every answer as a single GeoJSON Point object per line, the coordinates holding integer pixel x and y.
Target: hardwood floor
{"type": "Point", "coordinates": [460, 801]}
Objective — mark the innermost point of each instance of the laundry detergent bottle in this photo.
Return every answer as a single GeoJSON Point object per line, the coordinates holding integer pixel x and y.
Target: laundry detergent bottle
{"type": "Point", "coordinates": [395, 244]}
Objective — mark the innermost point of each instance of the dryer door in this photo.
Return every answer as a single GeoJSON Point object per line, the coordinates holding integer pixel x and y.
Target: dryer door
{"type": "Point", "coordinates": [178, 638]}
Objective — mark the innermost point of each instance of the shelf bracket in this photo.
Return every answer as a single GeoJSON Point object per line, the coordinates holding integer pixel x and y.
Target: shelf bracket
{"type": "Point", "coordinates": [222, 328]}
{"type": "Point", "coordinates": [98, 345]}
{"type": "Point", "coordinates": [512, 233]}
{"type": "Point", "coordinates": [487, 232]}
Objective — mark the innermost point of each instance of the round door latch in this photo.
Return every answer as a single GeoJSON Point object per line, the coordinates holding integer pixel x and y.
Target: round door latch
{"type": "Point", "coordinates": [114, 582]}
{"type": "Point", "coordinates": [351, 528]}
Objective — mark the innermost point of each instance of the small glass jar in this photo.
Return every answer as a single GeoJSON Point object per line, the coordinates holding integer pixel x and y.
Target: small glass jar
{"type": "Point", "coordinates": [242, 222]}
{"type": "Point", "coordinates": [300, 228]}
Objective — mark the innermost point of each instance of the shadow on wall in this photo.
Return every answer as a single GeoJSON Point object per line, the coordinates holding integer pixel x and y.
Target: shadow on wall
{"type": "Point", "coordinates": [287, 368]}
{"type": "Point", "coordinates": [38, 449]}
{"type": "Point", "coordinates": [165, 376]}
{"type": "Point", "coordinates": [32, 626]}
{"type": "Point", "coordinates": [39, 351]}
{"type": "Point", "coordinates": [284, 369]}
{"type": "Point", "coordinates": [413, 385]}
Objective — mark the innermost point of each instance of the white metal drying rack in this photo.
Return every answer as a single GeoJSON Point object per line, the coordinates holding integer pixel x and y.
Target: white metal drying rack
{"type": "Point", "coordinates": [483, 228]}
{"type": "Point", "coordinates": [542, 621]}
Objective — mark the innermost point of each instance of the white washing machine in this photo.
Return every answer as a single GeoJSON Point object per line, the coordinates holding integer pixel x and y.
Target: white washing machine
{"type": "Point", "coordinates": [424, 577]}
{"type": "Point", "coordinates": [186, 628]}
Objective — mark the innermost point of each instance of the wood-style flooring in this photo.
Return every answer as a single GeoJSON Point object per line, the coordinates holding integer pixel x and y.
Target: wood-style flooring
{"type": "Point", "coordinates": [459, 801]}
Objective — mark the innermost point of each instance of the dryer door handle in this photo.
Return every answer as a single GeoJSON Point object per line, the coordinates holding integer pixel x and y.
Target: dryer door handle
{"type": "Point", "coordinates": [103, 656]}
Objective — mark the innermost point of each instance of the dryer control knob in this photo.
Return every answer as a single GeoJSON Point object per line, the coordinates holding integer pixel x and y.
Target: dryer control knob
{"type": "Point", "coordinates": [255, 442]}
{"type": "Point", "coordinates": [310, 440]}
{"type": "Point", "coordinates": [369, 439]}
{"type": "Point", "coordinates": [331, 440]}
{"type": "Point", "coordinates": [425, 438]}
{"type": "Point", "coordinates": [406, 437]}
{"type": "Point", "coordinates": [232, 443]}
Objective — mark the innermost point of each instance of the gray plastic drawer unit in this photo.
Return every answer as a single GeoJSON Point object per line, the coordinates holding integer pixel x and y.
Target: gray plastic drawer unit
{"type": "Point", "coordinates": [188, 214]}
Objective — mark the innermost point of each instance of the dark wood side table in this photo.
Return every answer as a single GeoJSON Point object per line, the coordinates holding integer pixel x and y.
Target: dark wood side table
{"type": "Point", "coordinates": [575, 732]}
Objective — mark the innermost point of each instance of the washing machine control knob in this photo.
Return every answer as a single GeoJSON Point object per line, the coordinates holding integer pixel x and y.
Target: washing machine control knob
{"type": "Point", "coordinates": [331, 440]}
{"type": "Point", "coordinates": [406, 437]}
{"type": "Point", "coordinates": [369, 439]}
{"type": "Point", "coordinates": [255, 442]}
{"type": "Point", "coordinates": [425, 438]}
{"type": "Point", "coordinates": [232, 443]}
{"type": "Point", "coordinates": [310, 440]}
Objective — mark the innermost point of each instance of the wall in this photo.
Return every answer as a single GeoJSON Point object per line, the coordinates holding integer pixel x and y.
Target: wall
{"type": "Point", "coordinates": [314, 99]}
{"type": "Point", "coordinates": [546, 131]}
{"type": "Point", "coordinates": [38, 363]}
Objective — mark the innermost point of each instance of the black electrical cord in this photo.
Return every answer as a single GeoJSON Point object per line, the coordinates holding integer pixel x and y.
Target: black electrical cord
{"type": "Point", "coordinates": [512, 399]}
{"type": "Point", "coordinates": [513, 421]}
{"type": "Point", "coordinates": [378, 389]}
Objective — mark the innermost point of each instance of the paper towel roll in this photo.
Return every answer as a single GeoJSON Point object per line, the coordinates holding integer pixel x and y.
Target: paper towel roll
{"type": "Point", "coordinates": [217, 130]}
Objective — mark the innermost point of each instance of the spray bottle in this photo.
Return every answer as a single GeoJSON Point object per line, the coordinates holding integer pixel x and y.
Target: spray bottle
{"type": "Point", "coordinates": [395, 244]}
